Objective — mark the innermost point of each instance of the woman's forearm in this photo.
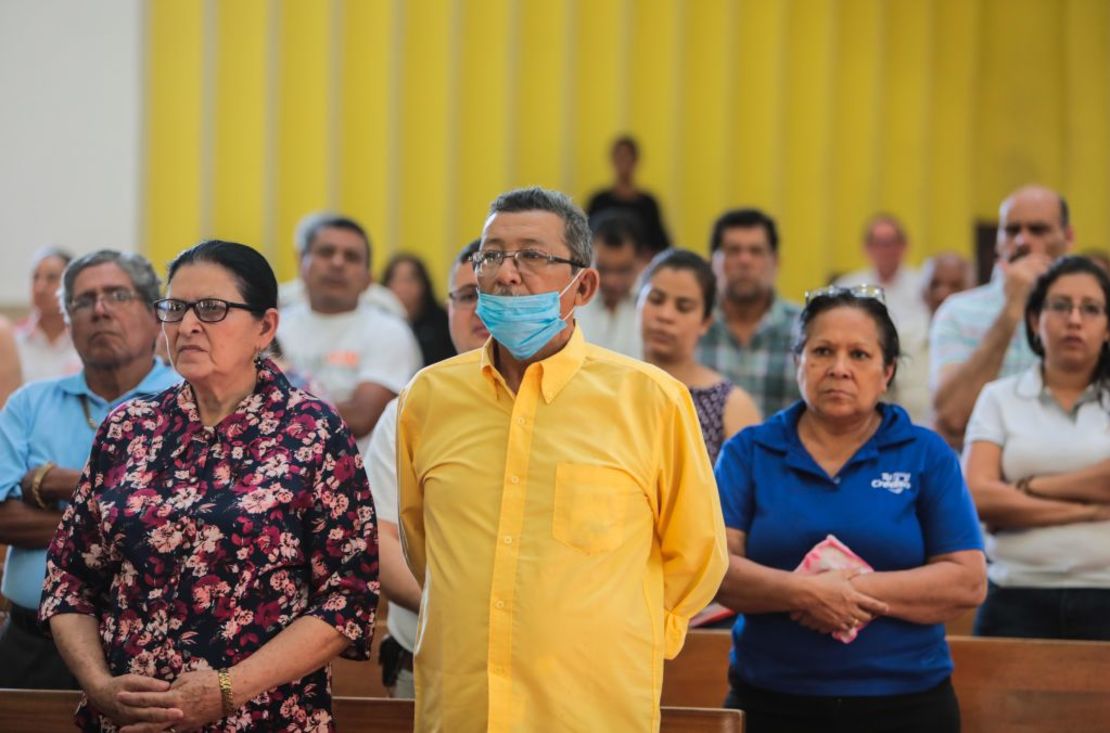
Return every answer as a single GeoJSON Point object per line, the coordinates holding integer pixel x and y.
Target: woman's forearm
{"type": "Point", "coordinates": [1091, 484]}
{"type": "Point", "coordinates": [749, 587]}
{"type": "Point", "coordinates": [1001, 506]}
{"type": "Point", "coordinates": [77, 637]}
{"type": "Point", "coordinates": [933, 593]}
{"type": "Point", "coordinates": [305, 646]}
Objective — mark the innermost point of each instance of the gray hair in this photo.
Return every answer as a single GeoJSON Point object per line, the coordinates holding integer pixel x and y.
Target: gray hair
{"type": "Point", "coordinates": [138, 268]}
{"type": "Point", "coordinates": [310, 226]}
{"type": "Point", "coordinates": [50, 250]}
{"type": "Point", "coordinates": [577, 228]}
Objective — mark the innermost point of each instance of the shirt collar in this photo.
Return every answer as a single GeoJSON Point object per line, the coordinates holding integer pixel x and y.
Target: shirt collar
{"type": "Point", "coordinates": [555, 371]}
{"type": "Point", "coordinates": [1030, 385]}
{"type": "Point", "coordinates": [781, 432]}
{"type": "Point", "coordinates": [270, 388]}
{"type": "Point", "coordinates": [152, 383]}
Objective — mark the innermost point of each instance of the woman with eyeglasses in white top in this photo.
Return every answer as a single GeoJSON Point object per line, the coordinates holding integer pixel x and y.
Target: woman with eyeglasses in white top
{"type": "Point", "coordinates": [1037, 459]}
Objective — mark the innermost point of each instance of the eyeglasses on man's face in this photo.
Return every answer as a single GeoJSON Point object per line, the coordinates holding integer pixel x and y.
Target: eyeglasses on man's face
{"type": "Point", "coordinates": [208, 310]}
{"type": "Point", "coordinates": [867, 291]}
{"type": "Point", "coordinates": [528, 261]}
{"type": "Point", "coordinates": [86, 302]}
{"type": "Point", "coordinates": [465, 297]}
{"type": "Point", "coordinates": [1063, 307]}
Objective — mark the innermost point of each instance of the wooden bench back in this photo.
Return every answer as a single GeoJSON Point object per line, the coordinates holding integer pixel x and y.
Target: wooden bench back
{"type": "Point", "coordinates": [51, 711]}
{"type": "Point", "coordinates": [1004, 685]}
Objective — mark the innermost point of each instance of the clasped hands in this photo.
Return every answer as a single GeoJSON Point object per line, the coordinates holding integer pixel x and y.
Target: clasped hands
{"type": "Point", "coordinates": [141, 704]}
{"type": "Point", "coordinates": [832, 603]}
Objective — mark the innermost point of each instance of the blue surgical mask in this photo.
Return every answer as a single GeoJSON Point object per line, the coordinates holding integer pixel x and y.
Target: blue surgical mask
{"type": "Point", "coordinates": [523, 324]}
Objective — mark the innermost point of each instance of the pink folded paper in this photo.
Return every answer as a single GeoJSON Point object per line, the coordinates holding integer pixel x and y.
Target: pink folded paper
{"type": "Point", "coordinates": [832, 554]}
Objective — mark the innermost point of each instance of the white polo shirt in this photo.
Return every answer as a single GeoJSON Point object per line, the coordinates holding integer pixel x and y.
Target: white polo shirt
{"type": "Point", "coordinates": [1038, 437]}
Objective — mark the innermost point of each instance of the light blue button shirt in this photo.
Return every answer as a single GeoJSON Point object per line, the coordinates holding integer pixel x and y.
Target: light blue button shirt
{"type": "Point", "coordinates": [44, 421]}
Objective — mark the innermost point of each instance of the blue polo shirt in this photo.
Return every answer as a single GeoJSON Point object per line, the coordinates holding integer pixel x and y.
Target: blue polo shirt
{"type": "Point", "coordinates": [898, 501]}
{"type": "Point", "coordinates": [44, 421]}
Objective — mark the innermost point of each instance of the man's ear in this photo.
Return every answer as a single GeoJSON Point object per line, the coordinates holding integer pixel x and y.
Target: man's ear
{"type": "Point", "coordinates": [586, 288]}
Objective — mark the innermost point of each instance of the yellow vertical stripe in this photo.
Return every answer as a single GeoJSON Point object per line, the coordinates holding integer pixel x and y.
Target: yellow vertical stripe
{"type": "Point", "coordinates": [703, 119]}
{"type": "Point", "coordinates": [367, 118]}
{"type": "Point", "coordinates": [856, 121]}
{"type": "Point", "coordinates": [949, 175]}
{"type": "Point", "coordinates": [426, 205]}
{"type": "Point", "coordinates": [759, 92]}
{"type": "Point", "coordinates": [174, 94]}
{"type": "Point", "coordinates": [804, 261]}
{"type": "Point", "coordinates": [655, 81]}
{"type": "Point", "coordinates": [1087, 163]}
{"type": "Point", "coordinates": [240, 145]}
{"type": "Point", "coordinates": [598, 62]}
{"type": "Point", "coordinates": [303, 122]}
{"type": "Point", "coordinates": [540, 150]}
{"type": "Point", "coordinates": [1020, 104]}
{"type": "Point", "coordinates": [482, 169]}
{"type": "Point", "coordinates": [903, 127]}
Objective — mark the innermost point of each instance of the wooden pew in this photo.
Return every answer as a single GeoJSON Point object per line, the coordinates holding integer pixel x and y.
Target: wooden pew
{"type": "Point", "coordinates": [51, 711]}
{"type": "Point", "coordinates": [1004, 685]}
{"type": "Point", "coordinates": [38, 711]}
{"type": "Point", "coordinates": [1026, 685]}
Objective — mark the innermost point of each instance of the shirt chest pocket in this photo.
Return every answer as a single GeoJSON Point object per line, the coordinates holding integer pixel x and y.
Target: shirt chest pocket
{"type": "Point", "coordinates": [593, 505]}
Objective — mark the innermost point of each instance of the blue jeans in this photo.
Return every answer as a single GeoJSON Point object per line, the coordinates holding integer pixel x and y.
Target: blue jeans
{"type": "Point", "coordinates": [1045, 613]}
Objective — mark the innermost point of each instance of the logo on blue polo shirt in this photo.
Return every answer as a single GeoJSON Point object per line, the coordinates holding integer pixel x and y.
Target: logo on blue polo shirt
{"type": "Point", "coordinates": [895, 482]}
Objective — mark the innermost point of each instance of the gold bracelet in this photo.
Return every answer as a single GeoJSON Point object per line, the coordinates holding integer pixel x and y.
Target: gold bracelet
{"type": "Point", "coordinates": [36, 484]}
{"type": "Point", "coordinates": [225, 691]}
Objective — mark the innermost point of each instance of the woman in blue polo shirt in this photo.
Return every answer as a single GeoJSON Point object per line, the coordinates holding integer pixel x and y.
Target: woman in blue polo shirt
{"type": "Point", "coordinates": [841, 462]}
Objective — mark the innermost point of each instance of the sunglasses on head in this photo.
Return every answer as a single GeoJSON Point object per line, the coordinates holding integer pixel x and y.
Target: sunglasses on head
{"type": "Point", "coordinates": [874, 292]}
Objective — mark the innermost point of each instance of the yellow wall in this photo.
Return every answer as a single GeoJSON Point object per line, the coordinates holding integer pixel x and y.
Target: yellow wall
{"type": "Point", "coordinates": [412, 116]}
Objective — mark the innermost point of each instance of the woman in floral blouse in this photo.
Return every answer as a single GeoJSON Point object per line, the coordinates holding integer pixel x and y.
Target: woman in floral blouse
{"type": "Point", "coordinates": [221, 547]}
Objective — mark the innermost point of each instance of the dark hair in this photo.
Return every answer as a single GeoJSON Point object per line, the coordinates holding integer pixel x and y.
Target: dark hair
{"type": "Point", "coordinates": [252, 273]}
{"type": "Point", "coordinates": [888, 333]}
{"type": "Point", "coordinates": [695, 264]}
{"type": "Point", "coordinates": [576, 230]}
{"type": "Point", "coordinates": [311, 225]}
{"type": "Point", "coordinates": [1065, 214]}
{"type": "Point", "coordinates": [1072, 265]}
{"type": "Point", "coordinates": [615, 228]}
{"type": "Point", "coordinates": [744, 218]}
{"type": "Point", "coordinates": [626, 141]}
{"type": "Point", "coordinates": [428, 300]}
{"type": "Point", "coordinates": [462, 258]}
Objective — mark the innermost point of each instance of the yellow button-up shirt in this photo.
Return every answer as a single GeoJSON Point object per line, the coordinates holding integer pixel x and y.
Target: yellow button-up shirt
{"type": "Point", "coordinates": [563, 536]}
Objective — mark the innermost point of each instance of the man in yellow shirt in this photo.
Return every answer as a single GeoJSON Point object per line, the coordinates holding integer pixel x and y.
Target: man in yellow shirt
{"type": "Point", "coordinates": [556, 503]}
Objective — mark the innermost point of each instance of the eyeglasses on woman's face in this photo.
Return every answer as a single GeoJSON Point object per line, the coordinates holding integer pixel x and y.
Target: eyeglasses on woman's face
{"type": "Point", "coordinates": [208, 310]}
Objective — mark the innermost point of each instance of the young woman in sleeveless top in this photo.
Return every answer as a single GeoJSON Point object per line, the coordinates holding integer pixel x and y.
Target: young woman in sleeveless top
{"type": "Point", "coordinates": [676, 308]}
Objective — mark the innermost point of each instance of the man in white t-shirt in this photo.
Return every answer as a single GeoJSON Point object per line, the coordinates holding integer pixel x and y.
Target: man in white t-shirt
{"type": "Point", "coordinates": [360, 355]}
{"type": "Point", "coordinates": [467, 333]}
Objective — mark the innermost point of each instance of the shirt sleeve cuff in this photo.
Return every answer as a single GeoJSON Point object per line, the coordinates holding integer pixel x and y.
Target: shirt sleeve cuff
{"type": "Point", "coordinates": [674, 634]}
{"type": "Point", "coordinates": [335, 611]}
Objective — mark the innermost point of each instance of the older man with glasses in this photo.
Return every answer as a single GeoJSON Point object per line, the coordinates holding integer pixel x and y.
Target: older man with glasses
{"type": "Point", "coordinates": [46, 432]}
{"type": "Point", "coordinates": [556, 502]}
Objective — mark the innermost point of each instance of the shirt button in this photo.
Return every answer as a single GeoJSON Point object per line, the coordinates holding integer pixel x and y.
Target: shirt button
{"type": "Point", "coordinates": [508, 540]}
{"type": "Point", "coordinates": [499, 604]}
{"type": "Point", "coordinates": [836, 480]}
{"type": "Point", "coordinates": [514, 479]}
{"type": "Point", "coordinates": [520, 421]}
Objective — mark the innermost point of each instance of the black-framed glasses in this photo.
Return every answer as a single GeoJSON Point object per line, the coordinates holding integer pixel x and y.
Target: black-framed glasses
{"type": "Point", "coordinates": [465, 297]}
{"type": "Point", "coordinates": [874, 292]}
{"type": "Point", "coordinates": [208, 310]}
{"type": "Point", "coordinates": [110, 298]}
{"type": "Point", "coordinates": [528, 261]}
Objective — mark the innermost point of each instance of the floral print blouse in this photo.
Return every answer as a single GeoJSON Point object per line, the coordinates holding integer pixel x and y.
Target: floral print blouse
{"type": "Point", "coordinates": [194, 546]}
